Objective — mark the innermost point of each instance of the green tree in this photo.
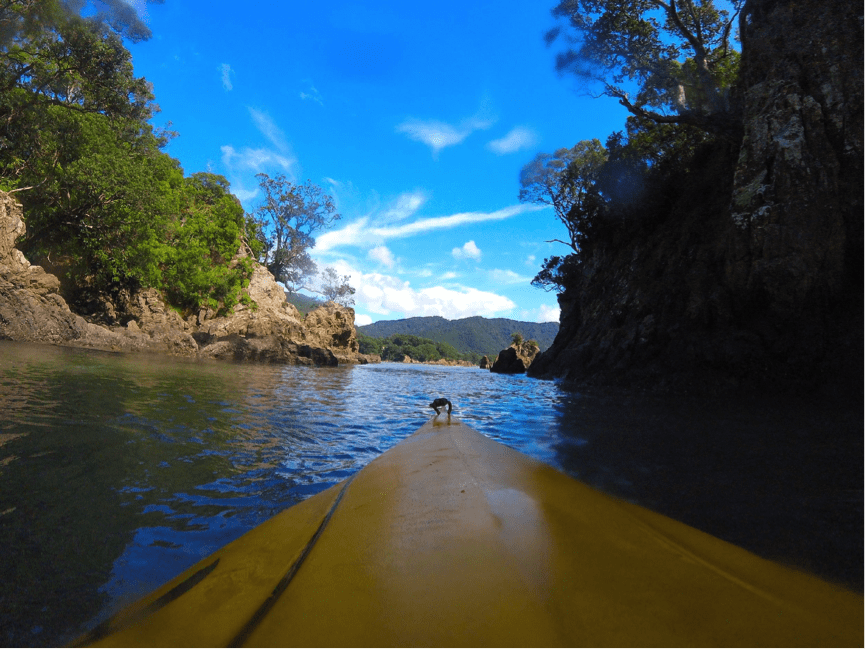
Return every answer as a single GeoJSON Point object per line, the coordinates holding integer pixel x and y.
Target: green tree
{"type": "Point", "coordinates": [289, 216]}
{"type": "Point", "coordinates": [336, 288]}
{"type": "Point", "coordinates": [101, 199]}
{"type": "Point", "coordinates": [368, 344]}
{"type": "Point", "coordinates": [679, 53]}
{"type": "Point", "coordinates": [201, 267]}
{"type": "Point", "coordinates": [565, 180]}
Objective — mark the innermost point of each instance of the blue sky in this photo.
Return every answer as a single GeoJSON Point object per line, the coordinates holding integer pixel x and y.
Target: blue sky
{"type": "Point", "coordinates": [415, 117]}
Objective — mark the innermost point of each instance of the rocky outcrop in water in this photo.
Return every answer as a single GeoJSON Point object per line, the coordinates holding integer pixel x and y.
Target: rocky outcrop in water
{"type": "Point", "coordinates": [751, 273]}
{"type": "Point", "coordinates": [270, 329]}
{"type": "Point", "coordinates": [516, 359]}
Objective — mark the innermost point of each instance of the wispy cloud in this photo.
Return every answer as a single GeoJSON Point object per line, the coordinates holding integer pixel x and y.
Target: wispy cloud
{"type": "Point", "coordinates": [360, 233]}
{"type": "Point", "coordinates": [508, 277]}
{"type": "Point", "coordinates": [226, 71]}
{"type": "Point", "coordinates": [244, 195]}
{"type": "Point", "coordinates": [255, 159]}
{"type": "Point", "coordinates": [268, 128]}
{"type": "Point", "coordinates": [468, 251]}
{"type": "Point", "coordinates": [382, 255]}
{"type": "Point", "coordinates": [404, 206]}
{"type": "Point", "coordinates": [517, 139]}
{"type": "Point", "coordinates": [312, 94]}
{"type": "Point", "coordinates": [437, 134]}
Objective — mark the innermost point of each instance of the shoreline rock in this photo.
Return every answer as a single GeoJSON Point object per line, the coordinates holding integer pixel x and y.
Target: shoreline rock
{"type": "Point", "coordinates": [271, 330]}
{"type": "Point", "coordinates": [516, 359]}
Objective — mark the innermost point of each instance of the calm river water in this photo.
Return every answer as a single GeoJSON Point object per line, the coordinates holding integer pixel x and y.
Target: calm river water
{"type": "Point", "coordinates": [119, 471]}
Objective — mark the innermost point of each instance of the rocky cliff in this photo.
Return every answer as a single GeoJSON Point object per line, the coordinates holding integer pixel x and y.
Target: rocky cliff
{"type": "Point", "coordinates": [516, 359]}
{"type": "Point", "coordinates": [753, 272]}
{"type": "Point", "coordinates": [271, 329]}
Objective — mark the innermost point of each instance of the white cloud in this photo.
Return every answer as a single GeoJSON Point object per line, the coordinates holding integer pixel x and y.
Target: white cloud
{"type": "Point", "coordinates": [530, 260]}
{"type": "Point", "coordinates": [361, 319]}
{"type": "Point", "coordinates": [548, 313]}
{"type": "Point", "coordinates": [226, 71]}
{"type": "Point", "coordinates": [255, 159]}
{"type": "Point", "coordinates": [382, 255]}
{"type": "Point", "coordinates": [468, 251]}
{"type": "Point", "coordinates": [437, 135]}
{"type": "Point", "coordinates": [517, 138]}
{"type": "Point", "coordinates": [387, 295]}
{"type": "Point", "coordinates": [268, 128]}
{"type": "Point", "coordinates": [358, 234]}
{"type": "Point", "coordinates": [449, 275]}
{"type": "Point", "coordinates": [508, 277]}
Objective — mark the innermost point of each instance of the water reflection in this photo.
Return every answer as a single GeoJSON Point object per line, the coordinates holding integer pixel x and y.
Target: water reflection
{"type": "Point", "coordinates": [118, 472]}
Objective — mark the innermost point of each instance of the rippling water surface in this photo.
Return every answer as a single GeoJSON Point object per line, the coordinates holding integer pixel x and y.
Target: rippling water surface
{"type": "Point", "coordinates": [119, 471]}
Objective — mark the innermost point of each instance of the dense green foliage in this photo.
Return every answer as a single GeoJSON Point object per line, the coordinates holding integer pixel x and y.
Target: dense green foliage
{"type": "Point", "coordinates": [476, 335]}
{"type": "Point", "coordinates": [399, 346]}
{"type": "Point", "coordinates": [105, 208]}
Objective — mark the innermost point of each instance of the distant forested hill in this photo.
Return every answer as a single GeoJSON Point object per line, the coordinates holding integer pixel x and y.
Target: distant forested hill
{"type": "Point", "coordinates": [475, 334]}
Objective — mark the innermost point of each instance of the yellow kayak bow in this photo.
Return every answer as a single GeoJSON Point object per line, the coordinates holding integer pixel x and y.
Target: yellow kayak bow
{"type": "Point", "coordinates": [452, 539]}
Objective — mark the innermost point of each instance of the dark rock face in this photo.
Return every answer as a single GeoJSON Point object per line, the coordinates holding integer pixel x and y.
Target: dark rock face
{"type": "Point", "coordinates": [271, 330]}
{"type": "Point", "coordinates": [516, 359]}
{"type": "Point", "coordinates": [754, 273]}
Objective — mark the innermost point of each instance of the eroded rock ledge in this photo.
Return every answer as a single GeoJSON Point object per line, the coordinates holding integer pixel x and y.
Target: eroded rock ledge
{"type": "Point", "coordinates": [272, 330]}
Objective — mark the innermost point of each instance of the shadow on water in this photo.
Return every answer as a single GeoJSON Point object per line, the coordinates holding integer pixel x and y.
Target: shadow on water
{"type": "Point", "coordinates": [117, 472]}
{"type": "Point", "coordinates": [781, 478]}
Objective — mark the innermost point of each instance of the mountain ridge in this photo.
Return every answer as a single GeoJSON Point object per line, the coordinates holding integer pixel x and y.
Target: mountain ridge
{"type": "Point", "coordinates": [474, 334]}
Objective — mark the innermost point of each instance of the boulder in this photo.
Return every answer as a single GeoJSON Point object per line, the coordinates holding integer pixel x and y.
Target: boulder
{"type": "Point", "coordinates": [516, 359]}
{"type": "Point", "coordinates": [331, 326]}
{"type": "Point", "coordinates": [31, 308]}
{"type": "Point", "coordinates": [485, 363]}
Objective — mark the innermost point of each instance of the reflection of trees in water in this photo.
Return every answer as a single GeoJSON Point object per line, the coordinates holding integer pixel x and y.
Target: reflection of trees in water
{"type": "Point", "coordinates": [780, 478]}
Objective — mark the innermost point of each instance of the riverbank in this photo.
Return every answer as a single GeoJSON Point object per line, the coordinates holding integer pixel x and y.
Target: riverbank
{"type": "Point", "coordinates": [264, 328]}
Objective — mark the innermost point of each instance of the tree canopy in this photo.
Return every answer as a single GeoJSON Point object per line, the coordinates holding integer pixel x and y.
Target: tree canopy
{"type": "Point", "coordinates": [564, 180]}
{"type": "Point", "coordinates": [336, 288]}
{"type": "Point", "coordinates": [668, 61]}
{"type": "Point", "coordinates": [105, 207]}
{"type": "Point", "coordinates": [288, 217]}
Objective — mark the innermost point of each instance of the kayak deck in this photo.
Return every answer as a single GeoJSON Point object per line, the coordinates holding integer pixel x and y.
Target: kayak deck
{"type": "Point", "coordinates": [450, 538]}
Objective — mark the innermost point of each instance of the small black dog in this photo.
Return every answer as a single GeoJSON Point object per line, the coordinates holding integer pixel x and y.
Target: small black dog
{"type": "Point", "coordinates": [441, 403]}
